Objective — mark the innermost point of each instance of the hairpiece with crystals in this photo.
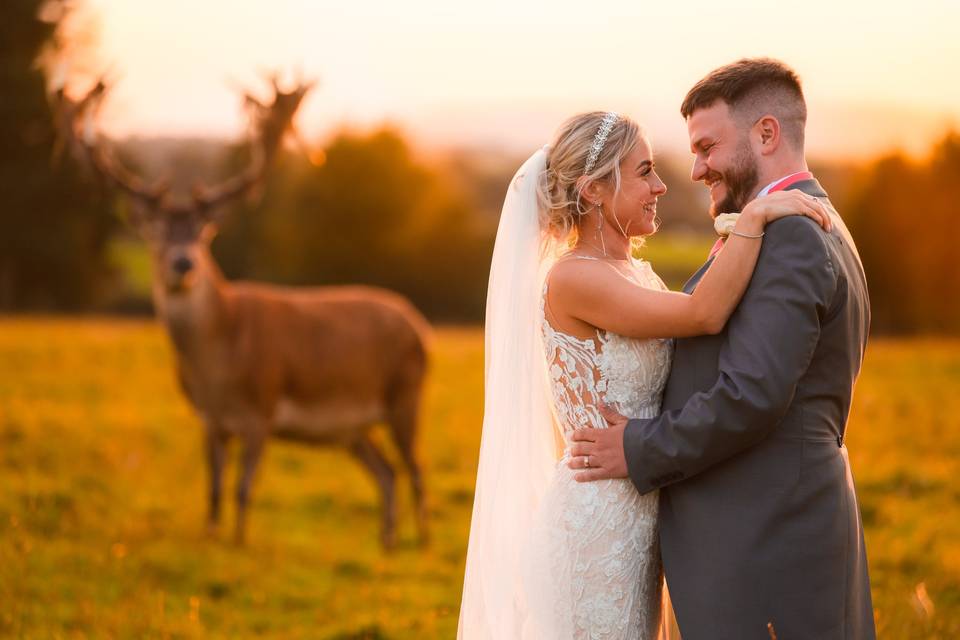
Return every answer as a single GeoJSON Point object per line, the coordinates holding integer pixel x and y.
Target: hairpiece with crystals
{"type": "Point", "coordinates": [599, 140]}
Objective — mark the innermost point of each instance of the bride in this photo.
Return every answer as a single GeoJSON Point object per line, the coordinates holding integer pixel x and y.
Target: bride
{"type": "Point", "coordinates": [574, 321]}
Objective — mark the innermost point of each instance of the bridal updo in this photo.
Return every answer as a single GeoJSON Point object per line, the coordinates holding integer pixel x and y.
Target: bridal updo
{"type": "Point", "coordinates": [561, 187]}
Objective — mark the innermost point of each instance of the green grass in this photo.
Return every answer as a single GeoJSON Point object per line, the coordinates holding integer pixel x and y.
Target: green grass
{"type": "Point", "coordinates": [131, 258]}
{"type": "Point", "coordinates": [102, 507]}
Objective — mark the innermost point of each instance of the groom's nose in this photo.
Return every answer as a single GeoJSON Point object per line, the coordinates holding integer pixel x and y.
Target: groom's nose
{"type": "Point", "coordinates": [699, 170]}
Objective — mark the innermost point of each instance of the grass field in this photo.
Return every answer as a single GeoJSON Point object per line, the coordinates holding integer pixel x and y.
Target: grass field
{"type": "Point", "coordinates": [102, 500]}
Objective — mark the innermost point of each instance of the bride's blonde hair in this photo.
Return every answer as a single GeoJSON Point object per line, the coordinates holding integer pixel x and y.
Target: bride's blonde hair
{"type": "Point", "coordinates": [561, 186]}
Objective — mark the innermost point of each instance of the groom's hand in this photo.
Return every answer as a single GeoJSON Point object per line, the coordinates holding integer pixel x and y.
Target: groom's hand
{"type": "Point", "coordinates": [604, 448]}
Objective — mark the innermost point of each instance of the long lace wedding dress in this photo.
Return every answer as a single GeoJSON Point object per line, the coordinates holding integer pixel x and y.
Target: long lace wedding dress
{"type": "Point", "coordinates": [592, 563]}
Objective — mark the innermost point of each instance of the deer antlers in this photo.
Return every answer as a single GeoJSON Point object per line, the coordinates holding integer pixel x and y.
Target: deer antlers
{"type": "Point", "coordinates": [269, 122]}
{"type": "Point", "coordinates": [67, 112]}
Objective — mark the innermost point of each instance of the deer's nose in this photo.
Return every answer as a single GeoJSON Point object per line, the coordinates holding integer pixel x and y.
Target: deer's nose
{"type": "Point", "coordinates": [182, 265]}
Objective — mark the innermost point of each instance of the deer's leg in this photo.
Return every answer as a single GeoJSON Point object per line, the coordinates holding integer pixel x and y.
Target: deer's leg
{"type": "Point", "coordinates": [216, 450]}
{"type": "Point", "coordinates": [403, 417]}
{"type": "Point", "coordinates": [253, 445]}
{"type": "Point", "coordinates": [371, 457]}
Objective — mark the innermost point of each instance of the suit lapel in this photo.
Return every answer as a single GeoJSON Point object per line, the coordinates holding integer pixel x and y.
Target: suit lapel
{"type": "Point", "coordinates": [691, 284]}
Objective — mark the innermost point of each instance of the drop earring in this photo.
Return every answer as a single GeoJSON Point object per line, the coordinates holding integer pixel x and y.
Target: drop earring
{"type": "Point", "coordinates": [603, 245]}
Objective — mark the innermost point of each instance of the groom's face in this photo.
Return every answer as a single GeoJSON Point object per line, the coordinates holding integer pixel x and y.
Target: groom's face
{"type": "Point", "coordinates": [724, 160]}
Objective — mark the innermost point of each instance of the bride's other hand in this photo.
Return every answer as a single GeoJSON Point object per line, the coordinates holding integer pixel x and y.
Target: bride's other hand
{"type": "Point", "coordinates": [780, 204]}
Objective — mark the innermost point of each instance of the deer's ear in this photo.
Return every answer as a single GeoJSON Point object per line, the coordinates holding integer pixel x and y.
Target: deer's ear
{"type": "Point", "coordinates": [209, 229]}
{"type": "Point", "coordinates": [210, 215]}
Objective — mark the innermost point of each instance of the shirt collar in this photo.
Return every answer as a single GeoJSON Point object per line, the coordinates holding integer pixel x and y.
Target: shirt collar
{"type": "Point", "coordinates": [767, 188]}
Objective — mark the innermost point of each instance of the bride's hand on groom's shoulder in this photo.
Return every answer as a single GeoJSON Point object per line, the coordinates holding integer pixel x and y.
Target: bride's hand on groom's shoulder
{"type": "Point", "coordinates": [598, 453]}
{"type": "Point", "coordinates": [781, 204]}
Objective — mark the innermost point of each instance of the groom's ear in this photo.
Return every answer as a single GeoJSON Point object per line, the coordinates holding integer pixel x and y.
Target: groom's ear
{"type": "Point", "coordinates": [765, 135]}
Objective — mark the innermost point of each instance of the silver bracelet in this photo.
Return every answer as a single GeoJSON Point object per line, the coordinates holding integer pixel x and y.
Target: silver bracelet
{"type": "Point", "coordinates": [744, 235]}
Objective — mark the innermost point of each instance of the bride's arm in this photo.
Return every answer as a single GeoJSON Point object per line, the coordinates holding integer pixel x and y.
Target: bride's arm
{"type": "Point", "coordinates": [597, 294]}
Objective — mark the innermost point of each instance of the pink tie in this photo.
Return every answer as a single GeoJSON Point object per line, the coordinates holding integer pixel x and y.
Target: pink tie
{"type": "Point", "coordinates": [716, 247]}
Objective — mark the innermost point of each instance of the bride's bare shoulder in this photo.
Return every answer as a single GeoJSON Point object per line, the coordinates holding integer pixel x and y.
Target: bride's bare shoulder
{"type": "Point", "coordinates": [573, 275]}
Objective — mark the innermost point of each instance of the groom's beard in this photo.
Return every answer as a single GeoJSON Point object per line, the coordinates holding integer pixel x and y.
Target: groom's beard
{"type": "Point", "coordinates": [740, 181]}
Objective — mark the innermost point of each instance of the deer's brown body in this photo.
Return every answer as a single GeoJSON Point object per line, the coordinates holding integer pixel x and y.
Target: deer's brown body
{"type": "Point", "coordinates": [316, 364]}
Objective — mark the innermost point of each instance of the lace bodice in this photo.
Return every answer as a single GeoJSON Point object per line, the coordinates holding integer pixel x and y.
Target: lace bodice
{"type": "Point", "coordinates": [627, 373]}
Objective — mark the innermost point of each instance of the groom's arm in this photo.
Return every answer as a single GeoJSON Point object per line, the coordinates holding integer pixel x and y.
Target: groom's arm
{"type": "Point", "coordinates": [768, 345]}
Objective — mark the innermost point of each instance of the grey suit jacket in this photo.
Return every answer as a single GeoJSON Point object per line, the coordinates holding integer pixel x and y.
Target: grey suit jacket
{"type": "Point", "coordinates": [759, 516]}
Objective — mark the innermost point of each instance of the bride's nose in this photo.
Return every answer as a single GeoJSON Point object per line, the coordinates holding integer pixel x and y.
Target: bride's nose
{"type": "Point", "coordinates": [659, 187]}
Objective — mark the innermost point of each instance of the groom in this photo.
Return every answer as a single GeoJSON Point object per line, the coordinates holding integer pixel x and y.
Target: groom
{"type": "Point", "coordinates": [759, 517]}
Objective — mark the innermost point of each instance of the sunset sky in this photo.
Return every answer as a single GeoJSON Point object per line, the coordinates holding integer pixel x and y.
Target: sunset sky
{"type": "Point", "coordinates": [505, 74]}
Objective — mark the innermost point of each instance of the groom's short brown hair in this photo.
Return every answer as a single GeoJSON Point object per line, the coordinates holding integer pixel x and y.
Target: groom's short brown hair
{"type": "Point", "coordinates": [752, 88]}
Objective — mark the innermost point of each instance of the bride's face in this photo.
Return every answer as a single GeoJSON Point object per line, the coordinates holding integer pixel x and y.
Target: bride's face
{"type": "Point", "coordinates": [635, 205]}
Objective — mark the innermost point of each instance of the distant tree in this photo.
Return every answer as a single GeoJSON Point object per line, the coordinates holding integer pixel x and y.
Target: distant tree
{"type": "Point", "coordinates": [904, 216]}
{"type": "Point", "coordinates": [54, 228]}
{"type": "Point", "coordinates": [367, 212]}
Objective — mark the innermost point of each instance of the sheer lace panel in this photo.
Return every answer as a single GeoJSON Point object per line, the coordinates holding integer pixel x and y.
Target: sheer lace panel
{"type": "Point", "coordinates": [628, 373]}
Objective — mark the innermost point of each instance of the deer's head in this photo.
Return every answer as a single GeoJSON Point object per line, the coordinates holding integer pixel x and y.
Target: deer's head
{"type": "Point", "coordinates": [178, 238]}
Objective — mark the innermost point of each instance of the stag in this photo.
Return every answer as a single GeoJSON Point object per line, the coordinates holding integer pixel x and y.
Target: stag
{"type": "Point", "coordinates": [319, 365]}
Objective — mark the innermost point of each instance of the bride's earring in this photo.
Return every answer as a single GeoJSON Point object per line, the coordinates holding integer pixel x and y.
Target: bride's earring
{"type": "Point", "coordinates": [600, 228]}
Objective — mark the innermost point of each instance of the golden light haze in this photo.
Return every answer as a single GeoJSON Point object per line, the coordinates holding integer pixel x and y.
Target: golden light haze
{"type": "Point", "coordinates": [506, 74]}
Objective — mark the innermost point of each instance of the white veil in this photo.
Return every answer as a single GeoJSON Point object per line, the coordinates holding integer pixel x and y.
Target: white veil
{"type": "Point", "coordinates": [520, 443]}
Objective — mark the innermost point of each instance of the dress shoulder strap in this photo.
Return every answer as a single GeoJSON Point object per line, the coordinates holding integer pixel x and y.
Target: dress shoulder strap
{"type": "Point", "coordinates": [572, 257]}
